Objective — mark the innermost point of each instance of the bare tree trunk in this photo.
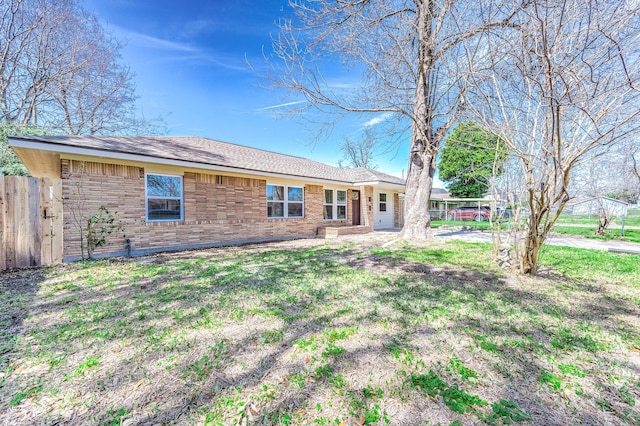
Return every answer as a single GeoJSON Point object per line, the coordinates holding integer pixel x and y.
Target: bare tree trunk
{"type": "Point", "coordinates": [417, 79]}
{"type": "Point", "coordinates": [417, 193]}
{"type": "Point", "coordinates": [530, 252]}
{"type": "Point", "coordinates": [603, 223]}
{"type": "Point", "coordinates": [424, 143]}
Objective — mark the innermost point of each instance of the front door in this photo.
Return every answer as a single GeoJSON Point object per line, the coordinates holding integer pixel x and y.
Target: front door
{"type": "Point", "coordinates": [355, 207]}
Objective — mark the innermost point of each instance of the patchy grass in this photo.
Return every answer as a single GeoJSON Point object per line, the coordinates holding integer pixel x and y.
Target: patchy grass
{"type": "Point", "coordinates": [478, 225]}
{"type": "Point", "coordinates": [630, 235]}
{"type": "Point", "coordinates": [584, 226]}
{"type": "Point", "coordinates": [592, 265]}
{"type": "Point", "coordinates": [632, 219]}
{"type": "Point", "coordinates": [329, 333]}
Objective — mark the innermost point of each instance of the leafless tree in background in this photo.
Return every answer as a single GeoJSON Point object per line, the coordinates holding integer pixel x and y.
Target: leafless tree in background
{"type": "Point", "coordinates": [410, 57]}
{"type": "Point", "coordinates": [629, 166]}
{"type": "Point", "coordinates": [60, 70]}
{"type": "Point", "coordinates": [566, 86]}
{"type": "Point", "coordinates": [361, 152]}
{"type": "Point", "coordinates": [609, 172]}
{"type": "Point", "coordinates": [94, 91]}
{"type": "Point", "coordinates": [606, 211]}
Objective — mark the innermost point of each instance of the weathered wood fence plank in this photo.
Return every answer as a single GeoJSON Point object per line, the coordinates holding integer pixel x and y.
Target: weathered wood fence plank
{"type": "Point", "coordinates": [12, 226]}
{"type": "Point", "coordinates": [3, 225]}
{"type": "Point", "coordinates": [56, 221]}
{"type": "Point", "coordinates": [31, 222]}
{"type": "Point", "coordinates": [45, 213]}
{"type": "Point", "coordinates": [33, 234]}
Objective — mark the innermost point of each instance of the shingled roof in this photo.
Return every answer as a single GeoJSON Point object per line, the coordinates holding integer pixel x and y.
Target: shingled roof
{"type": "Point", "coordinates": [211, 152]}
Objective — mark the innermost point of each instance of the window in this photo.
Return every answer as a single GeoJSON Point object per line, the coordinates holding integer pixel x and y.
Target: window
{"type": "Point", "coordinates": [164, 198]}
{"type": "Point", "coordinates": [382, 205]}
{"type": "Point", "coordinates": [285, 201]}
{"type": "Point", "coordinates": [342, 204]}
{"type": "Point", "coordinates": [275, 201]}
{"type": "Point", "coordinates": [328, 204]}
{"type": "Point", "coordinates": [335, 208]}
{"type": "Point", "coordinates": [295, 198]}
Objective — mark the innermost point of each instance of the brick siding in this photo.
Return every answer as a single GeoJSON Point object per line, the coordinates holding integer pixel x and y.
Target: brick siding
{"type": "Point", "coordinates": [369, 203]}
{"type": "Point", "coordinates": [397, 219]}
{"type": "Point", "coordinates": [217, 209]}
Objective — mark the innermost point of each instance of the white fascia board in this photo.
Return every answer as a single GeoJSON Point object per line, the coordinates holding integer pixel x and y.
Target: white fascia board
{"type": "Point", "coordinates": [372, 183]}
{"type": "Point", "coordinates": [91, 152]}
{"type": "Point", "coordinates": [380, 184]}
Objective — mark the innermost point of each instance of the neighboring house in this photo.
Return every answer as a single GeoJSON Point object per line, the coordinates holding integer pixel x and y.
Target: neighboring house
{"type": "Point", "coordinates": [441, 202]}
{"type": "Point", "coordinates": [593, 205]}
{"type": "Point", "coordinates": [176, 193]}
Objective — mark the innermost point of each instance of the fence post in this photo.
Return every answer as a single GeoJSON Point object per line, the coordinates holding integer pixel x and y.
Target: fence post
{"type": "Point", "coordinates": [33, 256]}
{"type": "Point", "coordinates": [3, 225]}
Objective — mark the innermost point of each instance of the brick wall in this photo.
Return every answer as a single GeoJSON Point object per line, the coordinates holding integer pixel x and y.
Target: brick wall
{"type": "Point", "coordinates": [369, 204]}
{"type": "Point", "coordinates": [397, 219]}
{"type": "Point", "coordinates": [217, 209]}
{"type": "Point", "coordinates": [86, 186]}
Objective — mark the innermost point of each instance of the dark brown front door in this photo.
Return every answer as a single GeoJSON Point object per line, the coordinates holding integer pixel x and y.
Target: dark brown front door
{"type": "Point", "coordinates": [355, 208]}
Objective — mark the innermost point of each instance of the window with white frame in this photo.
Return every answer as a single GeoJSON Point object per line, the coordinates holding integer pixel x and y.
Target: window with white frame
{"type": "Point", "coordinates": [164, 197]}
{"type": "Point", "coordinates": [328, 204]}
{"type": "Point", "coordinates": [382, 202]}
{"type": "Point", "coordinates": [285, 201]}
{"type": "Point", "coordinates": [341, 205]}
{"type": "Point", "coordinates": [335, 204]}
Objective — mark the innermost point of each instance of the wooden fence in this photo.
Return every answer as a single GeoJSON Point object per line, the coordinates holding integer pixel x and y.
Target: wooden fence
{"type": "Point", "coordinates": [30, 222]}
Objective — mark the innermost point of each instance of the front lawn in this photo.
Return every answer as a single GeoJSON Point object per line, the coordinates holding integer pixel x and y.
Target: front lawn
{"type": "Point", "coordinates": [578, 228]}
{"type": "Point", "coordinates": [323, 333]}
{"type": "Point", "coordinates": [632, 219]}
{"type": "Point", "coordinates": [630, 235]}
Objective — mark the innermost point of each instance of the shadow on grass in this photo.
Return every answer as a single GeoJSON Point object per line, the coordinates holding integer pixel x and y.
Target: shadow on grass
{"type": "Point", "coordinates": [18, 291]}
{"type": "Point", "coordinates": [247, 335]}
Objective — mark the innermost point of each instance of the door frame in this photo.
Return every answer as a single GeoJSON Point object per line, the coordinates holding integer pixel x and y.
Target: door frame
{"type": "Point", "coordinates": [356, 210]}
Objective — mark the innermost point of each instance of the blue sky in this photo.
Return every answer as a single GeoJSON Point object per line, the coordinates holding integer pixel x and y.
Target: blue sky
{"type": "Point", "coordinates": [190, 60]}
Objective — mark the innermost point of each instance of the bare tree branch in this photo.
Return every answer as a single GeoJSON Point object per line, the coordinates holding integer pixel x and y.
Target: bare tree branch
{"type": "Point", "coordinates": [60, 70]}
{"type": "Point", "coordinates": [561, 91]}
{"type": "Point", "coordinates": [408, 57]}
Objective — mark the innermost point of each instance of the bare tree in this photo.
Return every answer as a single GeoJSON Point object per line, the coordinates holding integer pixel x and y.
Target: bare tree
{"type": "Point", "coordinates": [18, 30]}
{"type": "Point", "coordinates": [93, 90]}
{"type": "Point", "coordinates": [362, 152]}
{"type": "Point", "coordinates": [602, 172]}
{"type": "Point", "coordinates": [605, 212]}
{"type": "Point", "coordinates": [60, 70]}
{"type": "Point", "coordinates": [634, 173]}
{"type": "Point", "coordinates": [566, 86]}
{"type": "Point", "coordinates": [412, 70]}
{"type": "Point", "coordinates": [627, 165]}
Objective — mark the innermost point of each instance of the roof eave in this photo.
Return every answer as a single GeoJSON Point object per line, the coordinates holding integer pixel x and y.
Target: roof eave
{"type": "Point", "coordinates": [117, 155]}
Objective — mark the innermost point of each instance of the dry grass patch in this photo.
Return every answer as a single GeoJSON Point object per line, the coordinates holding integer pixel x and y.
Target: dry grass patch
{"type": "Point", "coordinates": [313, 332]}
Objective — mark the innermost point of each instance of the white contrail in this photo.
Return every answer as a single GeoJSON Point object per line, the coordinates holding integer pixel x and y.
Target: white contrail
{"type": "Point", "coordinates": [281, 105]}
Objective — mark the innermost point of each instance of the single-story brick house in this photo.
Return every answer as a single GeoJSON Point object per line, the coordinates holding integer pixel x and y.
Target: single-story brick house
{"type": "Point", "coordinates": [175, 193]}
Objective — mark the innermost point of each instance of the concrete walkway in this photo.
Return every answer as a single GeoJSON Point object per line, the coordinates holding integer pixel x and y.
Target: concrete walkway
{"type": "Point", "coordinates": [555, 240]}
